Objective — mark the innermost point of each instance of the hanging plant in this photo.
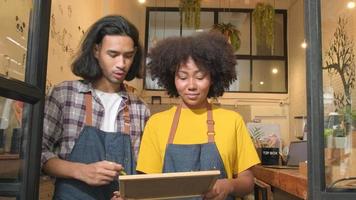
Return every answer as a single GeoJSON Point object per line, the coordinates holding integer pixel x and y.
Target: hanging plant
{"type": "Point", "coordinates": [231, 32]}
{"type": "Point", "coordinates": [190, 12]}
{"type": "Point", "coordinates": [263, 19]}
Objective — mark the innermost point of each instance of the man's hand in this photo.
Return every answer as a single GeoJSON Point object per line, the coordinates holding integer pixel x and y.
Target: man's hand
{"type": "Point", "coordinates": [99, 173]}
{"type": "Point", "coordinates": [220, 191]}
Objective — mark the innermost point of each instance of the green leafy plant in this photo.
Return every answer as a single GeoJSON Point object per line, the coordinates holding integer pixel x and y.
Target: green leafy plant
{"type": "Point", "coordinates": [328, 132]}
{"type": "Point", "coordinates": [190, 12]}
{"type": "Point", "coordinates": [231, 32]}
{"type": "Point", "coordinates": [263, 18]}
{"type": "Point", "coordinates": [256, 134]}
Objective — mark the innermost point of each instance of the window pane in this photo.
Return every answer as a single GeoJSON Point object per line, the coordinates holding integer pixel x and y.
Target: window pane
{"type": "Point", "coordinates": [268, 76]}
{"type": "Point", "coordinates": [149, 83]}
{"type": "Point", "coordinates": [278, 47]}
{"type": "Point", "coordinates": [206, 22]}
{"type": "Point", "coordinates": [162, 25]}
{"type": "Point", "coordinates": [339, 94]}
{"type": "Point", "coordinates": [10, 139]}
{"type": "Point", "coordinates": [14, 18]}
{"type": "Point", "coordinates": [243, 76]}
{"type": "Point", "coordinates": [241, 21]}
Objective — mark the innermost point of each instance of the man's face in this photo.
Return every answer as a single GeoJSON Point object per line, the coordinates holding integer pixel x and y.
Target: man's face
{"type": "Point", "coordinates": [115, 56]}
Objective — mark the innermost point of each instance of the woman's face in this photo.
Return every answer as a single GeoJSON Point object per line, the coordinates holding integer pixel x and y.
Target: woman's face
{"type": "Point", "coordinates": [192, 85]}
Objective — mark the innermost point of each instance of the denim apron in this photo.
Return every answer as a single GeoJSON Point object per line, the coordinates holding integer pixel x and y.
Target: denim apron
{"type": "Point", "coordinates": [193, 157]}
{"type": "Point", "coordinates": [94, 145]}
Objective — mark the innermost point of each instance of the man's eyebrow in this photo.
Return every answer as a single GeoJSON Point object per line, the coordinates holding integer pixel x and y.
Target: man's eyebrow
{"type": "Point", "coordinates": [125, 52]}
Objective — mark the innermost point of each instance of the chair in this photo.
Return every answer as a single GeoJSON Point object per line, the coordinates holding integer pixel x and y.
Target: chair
{"type": "Point", "coordinates": [262, 190]}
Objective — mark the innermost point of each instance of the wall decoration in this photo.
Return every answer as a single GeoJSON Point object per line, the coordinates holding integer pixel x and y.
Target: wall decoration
{"type": "Point", "coordinates": [69, 8]}
{"type": "Point", "coordinates": [60, 8]}
{"type": "Point", "coordinates": [340, 61]}
{"type": "Point", "coordinates": [63, 38]}
{"type": "Point", "coordinates": [81, 30]}
{"type": "Point", "coordinates": [20, 25]}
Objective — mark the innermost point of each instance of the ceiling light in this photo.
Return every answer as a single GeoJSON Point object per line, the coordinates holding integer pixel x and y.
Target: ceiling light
{"type": "Point", "coordinates": [142, 1]}
{"type": "Point", "coordinates": [261, 82]}
{"type": "Point", "coordinates": [274, 70]}
{"type": "Point", "coordinates": [351, 4]}
{"type": "Point", "coordinates": [304, 44]}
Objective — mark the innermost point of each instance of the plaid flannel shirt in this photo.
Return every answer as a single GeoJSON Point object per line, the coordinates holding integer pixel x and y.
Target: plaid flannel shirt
{"type": "Point", "coordinates": [64, 118]}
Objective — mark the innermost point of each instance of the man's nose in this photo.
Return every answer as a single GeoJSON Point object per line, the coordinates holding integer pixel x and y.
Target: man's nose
{"type": "Point", "coordinates": [120, 61]}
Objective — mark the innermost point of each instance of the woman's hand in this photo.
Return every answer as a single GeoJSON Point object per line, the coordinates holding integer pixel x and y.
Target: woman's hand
{"type": "Point", "coordinates": [116, 196]}
{"type": "Point", "coordinates": [99, 173]}
{"type": "Point", "coordinates": [221, 190]}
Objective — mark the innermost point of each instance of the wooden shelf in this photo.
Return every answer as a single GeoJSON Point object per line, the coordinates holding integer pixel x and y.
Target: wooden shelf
{"type": "Point", "coordinates": [8, 156]}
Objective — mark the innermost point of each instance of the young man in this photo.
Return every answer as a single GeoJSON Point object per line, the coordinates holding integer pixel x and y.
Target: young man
{"type": "Point", "coordinates": [92, 127]}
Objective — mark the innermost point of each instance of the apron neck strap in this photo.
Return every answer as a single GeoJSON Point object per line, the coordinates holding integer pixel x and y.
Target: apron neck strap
{"type": "Point", "coordinates": [89, 111]}
{"type": "Point", "coordinates": [127, 118]}
{"type": "Point", "coordinates": [209, 121]}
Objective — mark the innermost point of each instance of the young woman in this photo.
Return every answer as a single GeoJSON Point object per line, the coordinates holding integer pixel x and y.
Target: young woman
{"type": "Point", "coordinates": [196, 135]}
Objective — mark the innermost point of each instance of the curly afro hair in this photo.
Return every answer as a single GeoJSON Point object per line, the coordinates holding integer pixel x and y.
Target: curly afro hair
{"type": "Point", "coordinates": [210, 51]}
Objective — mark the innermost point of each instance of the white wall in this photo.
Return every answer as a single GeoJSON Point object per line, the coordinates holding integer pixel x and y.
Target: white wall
{"type": "Point", "coordinates": [67, 16]}
{"type": "Point", "coordinates": [297, 66]}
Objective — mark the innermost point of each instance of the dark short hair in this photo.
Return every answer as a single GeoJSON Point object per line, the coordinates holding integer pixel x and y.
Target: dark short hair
{"type": "Point", "coordinates": [210, 51]}
{"type": "Point", "coordinates": [86, 65]}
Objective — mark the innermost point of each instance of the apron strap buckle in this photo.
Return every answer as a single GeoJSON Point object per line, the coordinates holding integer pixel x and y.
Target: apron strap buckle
{"type": "Point", "coordinates": [211, 133]}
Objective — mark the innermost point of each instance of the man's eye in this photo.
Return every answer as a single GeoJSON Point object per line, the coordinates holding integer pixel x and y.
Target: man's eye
{"type": "Point", "coordinates": [128, 56]}
{"type": "Point", "coordinates": [113, 55]}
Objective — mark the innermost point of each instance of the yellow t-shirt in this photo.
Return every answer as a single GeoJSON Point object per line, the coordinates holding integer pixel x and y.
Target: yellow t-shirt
{"type": "Point", "coordinates": [231, 136]}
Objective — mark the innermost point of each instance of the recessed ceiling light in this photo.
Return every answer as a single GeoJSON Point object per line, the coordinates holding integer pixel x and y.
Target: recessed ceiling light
{"type": "Point", "coordinates": [274, 70]}
{"type": "Point", "coordinates": [142, 1]}
{"type": "Point", "coordinates": [304, 45]}
{"type": "Point", "coordinates": [351, 4]}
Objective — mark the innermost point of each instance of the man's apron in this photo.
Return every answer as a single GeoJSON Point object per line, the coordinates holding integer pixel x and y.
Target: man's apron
{"type": "Point", "coordinates": [94, 145]}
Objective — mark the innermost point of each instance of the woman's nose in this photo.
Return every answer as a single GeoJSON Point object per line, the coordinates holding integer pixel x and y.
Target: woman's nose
{"type": "Point", "coordinates": [192, 84]}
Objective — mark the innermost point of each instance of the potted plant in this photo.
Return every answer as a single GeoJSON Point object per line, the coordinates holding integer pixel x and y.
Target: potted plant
{"type": "Point", "coordinates": [263, 19]}
{"type": "Point", "coordinates": [190, 12]}
{"type": "Point", "coordinates": [231, 32]}
{"type": "Point", "coordinates": [328, 137]}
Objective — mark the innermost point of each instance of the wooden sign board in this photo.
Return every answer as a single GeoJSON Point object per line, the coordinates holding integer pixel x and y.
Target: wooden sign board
{"type": "Point", "coordinates": [167, 185]}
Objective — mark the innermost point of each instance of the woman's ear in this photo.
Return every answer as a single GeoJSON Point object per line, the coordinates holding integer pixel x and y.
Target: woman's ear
{"type": "Point", "coordinates": [96, 50]}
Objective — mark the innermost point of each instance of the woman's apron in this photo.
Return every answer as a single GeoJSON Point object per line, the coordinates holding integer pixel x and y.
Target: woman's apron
{"type": "Point", "coordinates": [94, 145]}
{"type": "Point", "coordinates": [193, 157]}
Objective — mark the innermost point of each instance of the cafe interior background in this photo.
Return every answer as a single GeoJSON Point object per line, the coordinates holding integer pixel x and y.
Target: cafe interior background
{"type": "Point", "coordinates": [271, 87]}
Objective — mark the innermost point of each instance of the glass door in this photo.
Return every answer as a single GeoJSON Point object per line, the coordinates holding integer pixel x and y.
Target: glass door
{"type": "Point", "coordinates": [331, 66]}
{"type": "Point", "coordinates": [23, 64]}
